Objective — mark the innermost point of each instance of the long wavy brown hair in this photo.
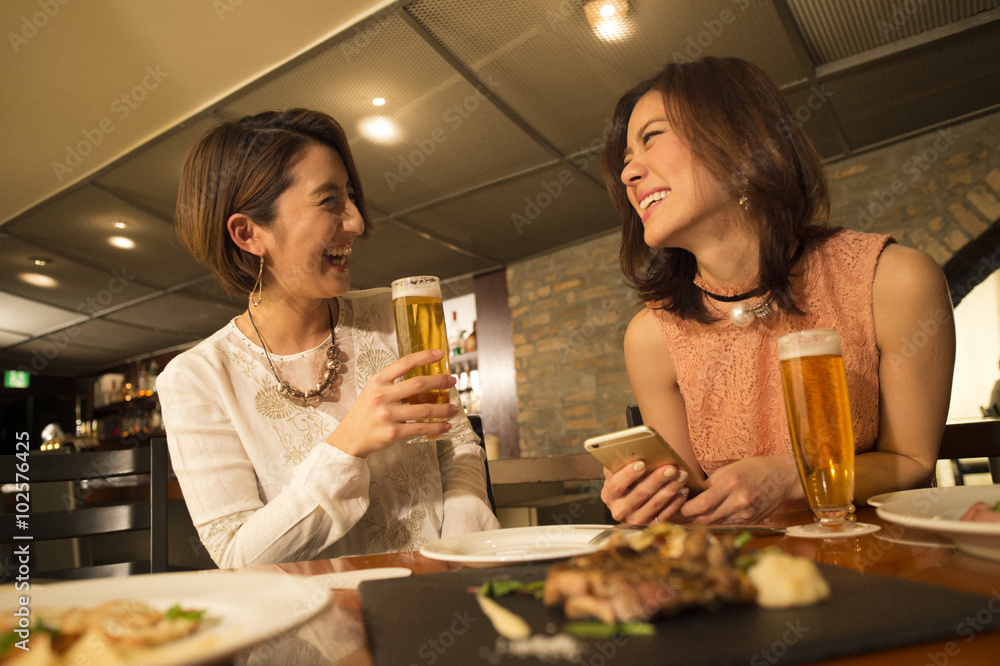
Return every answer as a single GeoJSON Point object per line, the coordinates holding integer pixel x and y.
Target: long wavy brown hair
{"type": "Point", "coordinates": [740, 127]}
{"type": "Point", "coordinates": [243, 166]}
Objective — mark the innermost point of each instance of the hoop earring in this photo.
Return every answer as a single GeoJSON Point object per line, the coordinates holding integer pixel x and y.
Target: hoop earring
{"type": "Point", "coordinates": [258, 286]}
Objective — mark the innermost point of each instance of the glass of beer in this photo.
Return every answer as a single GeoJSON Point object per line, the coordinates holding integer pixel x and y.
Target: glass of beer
{"type": "Point", "coordinates": [819, 420]}
{"type": "Point", "coordinates": [419, 313]}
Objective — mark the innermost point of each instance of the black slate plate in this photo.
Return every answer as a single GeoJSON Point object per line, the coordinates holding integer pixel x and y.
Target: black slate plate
{"type": "Point", "coordinates": [433, 619]}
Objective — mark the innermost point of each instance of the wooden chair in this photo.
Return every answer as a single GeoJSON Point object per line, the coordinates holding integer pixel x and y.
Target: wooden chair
{"type": "Point", "coordinates": [972, 439]}
{"type": "Point", "coordinates": [75, 520]}
{"type": "Point", "coordinates": [477, 426]}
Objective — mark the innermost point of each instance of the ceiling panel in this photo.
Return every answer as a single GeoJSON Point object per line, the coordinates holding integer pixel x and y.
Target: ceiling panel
{"type": "Point", "coordinates": [148, 178]}
{"type": "Point", "coordinates": [544, 60]}
{"type": "Point", "coordinates": [185, 315]}
{"type": "Point", "coordinates": [29, 317]}
{"type": "Point", "coordinates": [918, 89]}
{"type": "Point", "coordinates": [395, 250]}
{"type": "Point", "coordinates": [447, 128]}
{"type": "Point", "coordinates": [77, 287]}
{"type": "Point", "coordinates": [523, 216]}
{"type": "Point", "coordinates": [7, 338]}
{"type": "Point", "coordinates": [836, 30]}
{"type": "Point", "coordinates": [82, 226]}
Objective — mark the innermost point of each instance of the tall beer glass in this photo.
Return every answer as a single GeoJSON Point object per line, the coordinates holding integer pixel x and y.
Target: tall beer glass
{"type": "Point", "coordinates": [819, 420]}
{"type": "Point", "coordinates": [419, 314]}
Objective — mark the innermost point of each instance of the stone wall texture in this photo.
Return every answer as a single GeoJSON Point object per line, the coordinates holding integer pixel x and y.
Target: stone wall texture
{"type": "Point", "coordinates": [570, 308]}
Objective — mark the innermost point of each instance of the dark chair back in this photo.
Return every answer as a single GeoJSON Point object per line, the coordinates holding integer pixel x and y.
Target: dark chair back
{"type": "Point", "coordinates": [632, 416]}
{"type": "Point", "coordinates": [77, 520]}
{"type": "Point", "coordinates": [972, 439]}
{"type": "Point", "coordinates": [477, 426]}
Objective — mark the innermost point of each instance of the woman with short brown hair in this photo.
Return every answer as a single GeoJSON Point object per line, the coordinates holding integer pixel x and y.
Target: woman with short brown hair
{"type": "Point", "coordinates": [289, 428]}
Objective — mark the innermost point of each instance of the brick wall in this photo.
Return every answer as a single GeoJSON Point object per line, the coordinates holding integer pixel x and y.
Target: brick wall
{"type": "Point", "coordinates": [569, 312]}
{"type": "Point", "coordinates": [935, 192]}
{"type": "Point", "coordinates": [570, 308]}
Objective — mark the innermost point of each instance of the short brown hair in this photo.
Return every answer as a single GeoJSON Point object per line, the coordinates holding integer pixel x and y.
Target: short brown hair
{"type": "Point", "coordinates": [740, 127]}
{"type": "Point", "coordinates": [243, 166]}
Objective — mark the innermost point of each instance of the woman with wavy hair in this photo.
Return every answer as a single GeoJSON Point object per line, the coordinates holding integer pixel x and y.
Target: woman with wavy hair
{"type": "Point", "coordinates": [726, 238]}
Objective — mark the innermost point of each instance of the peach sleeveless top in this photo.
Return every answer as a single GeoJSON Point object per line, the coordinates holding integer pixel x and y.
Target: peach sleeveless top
{"type": "Point", "coordinates": [729, 376]}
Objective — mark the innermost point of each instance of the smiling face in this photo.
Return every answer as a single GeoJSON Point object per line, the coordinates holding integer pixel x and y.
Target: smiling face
{"type": "Point", "coordinates": [309, 244]}
{"type": "Point", "coordinates": [678, 200]}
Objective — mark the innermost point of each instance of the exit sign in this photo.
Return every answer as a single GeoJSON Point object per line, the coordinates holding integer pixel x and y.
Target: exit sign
{"type": "Point", "coordinates": [16, 379]}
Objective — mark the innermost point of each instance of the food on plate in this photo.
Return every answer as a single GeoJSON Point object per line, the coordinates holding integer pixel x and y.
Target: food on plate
{"type": "Point", "coordinates": [667, 569]}
{"type": "Point", "coordinates": [981, 512]}
{"type": "Point", "coordinates": [101, 634]}
{"type": "Point", "coordinates": [664, 569]}
{"type": "Point", "coordinates": [786, 581]}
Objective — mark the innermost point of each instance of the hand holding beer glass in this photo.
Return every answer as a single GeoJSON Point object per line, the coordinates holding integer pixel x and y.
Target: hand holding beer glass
{"type": "Point", "coordinates": [419, 313]}
{"type": "Point", "coordinates": [819, 419]}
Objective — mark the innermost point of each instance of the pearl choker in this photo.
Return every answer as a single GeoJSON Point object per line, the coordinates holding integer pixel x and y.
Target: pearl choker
{"type": "Point", "coordinates": [743, 315]}
{"type": "Point", "coordinates": [325, 385]}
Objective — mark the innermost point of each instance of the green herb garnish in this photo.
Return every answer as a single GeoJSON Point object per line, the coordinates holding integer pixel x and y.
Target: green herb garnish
{"type": "Point", "coordinates": [12, 638]}
{"type": "Point", "coordinates": [501, 588]}
{"type": "Point", "coordinates": [602, 630]}
{"type": "Point", "coordinates": [742, 539]}
{"type": "Point", "coordinates": [175, 612]}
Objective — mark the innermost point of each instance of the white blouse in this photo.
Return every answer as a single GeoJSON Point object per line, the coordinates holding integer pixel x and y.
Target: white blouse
{"type": "Point", "coordinates": [259, 480]}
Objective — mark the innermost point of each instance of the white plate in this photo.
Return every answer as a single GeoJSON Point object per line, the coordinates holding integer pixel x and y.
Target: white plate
{"type": "Point", "coordinates": [515, 544]}
{"type": "Point", "coordinates": [241, 608]}
{"type": "Point", "coordinates": [879, 500]}
{"type": "Point", "coordinates": [939, 509]}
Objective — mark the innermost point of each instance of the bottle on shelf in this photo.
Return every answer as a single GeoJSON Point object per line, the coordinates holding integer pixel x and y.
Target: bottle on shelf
{"type": "Point", "coordinates": [470, 342]}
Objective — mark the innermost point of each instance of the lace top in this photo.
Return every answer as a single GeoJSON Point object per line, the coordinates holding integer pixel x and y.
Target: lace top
{"type": "Point", "coordinates": [729, 376]}
{"type": "Point", "coordinates": [260, 482]}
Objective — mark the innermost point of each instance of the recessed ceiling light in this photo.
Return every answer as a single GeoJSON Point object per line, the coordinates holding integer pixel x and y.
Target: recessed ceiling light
{"type": "Point", "coordinates": [122, 242]}
{"type": "Point", "coordinates": [38, 280]}
{"type": "Point", "coordinates": [379, 101]}
{"type": "Point", "coordinates": [119, 225]}
{"type": "Point", "coordinates": [609, 19]}
{"type": "Point", "coordinates": [40, 261]}
{"type": "Point", "coordinates": [379, 129]}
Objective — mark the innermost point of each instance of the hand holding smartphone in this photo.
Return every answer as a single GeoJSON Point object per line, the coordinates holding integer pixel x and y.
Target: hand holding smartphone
{"type": "Point", "coordinates": [618, 449]}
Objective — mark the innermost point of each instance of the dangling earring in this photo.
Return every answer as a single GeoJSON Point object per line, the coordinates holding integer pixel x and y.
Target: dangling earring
{"type": "Point", "coordinates": [258, 286]}
{"type": "Point", "coordinates": [744, 199]}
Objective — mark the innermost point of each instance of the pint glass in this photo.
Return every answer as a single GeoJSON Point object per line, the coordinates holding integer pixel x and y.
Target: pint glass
{"type": "Point", "coordinates": [419, 313]}
{"type": "Point", "coordinates": [819, 420]}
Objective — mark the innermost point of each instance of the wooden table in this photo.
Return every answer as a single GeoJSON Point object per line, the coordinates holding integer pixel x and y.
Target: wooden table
{"type": "Point", "coordinates": [341, 627]}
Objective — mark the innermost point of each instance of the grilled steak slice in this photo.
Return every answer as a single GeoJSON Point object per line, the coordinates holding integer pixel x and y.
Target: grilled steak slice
{"type": "Point", "coordinates": [663, 570]}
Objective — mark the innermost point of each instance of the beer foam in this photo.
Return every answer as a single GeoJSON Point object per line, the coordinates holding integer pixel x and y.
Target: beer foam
{"type": "Point", "coordinates": [817, 342]}
{"type": "Point", "coordinates": [425, 286]}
